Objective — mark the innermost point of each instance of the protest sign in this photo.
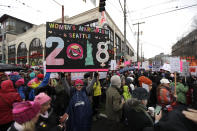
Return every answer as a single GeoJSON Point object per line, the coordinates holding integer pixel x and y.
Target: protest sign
{"type": "Point", "coordinates": [102, 75]}
{"type": "Point", "coordinates": [77, 75]}
{"type": "Point", "coordinates": [54, 75]}
{"type": "Point", "coordinates": [113, 65]}
{"type": "Point", "coordinates": [127, 63]}
{"type": "Point", "coordinates": [175, 64]}
{"type": "Point", "coordinates": [156, 65]}
{"type": "Point", "coordinates": [145, 65]}
{"type": "Point", "coordinates": [76, 48]}
{"type": "Point", "coordinates": [166, 67]}
{"type": "Point", "coordinates": [185, 70]}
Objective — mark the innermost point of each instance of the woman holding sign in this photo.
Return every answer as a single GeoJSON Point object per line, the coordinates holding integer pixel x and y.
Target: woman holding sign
{"type": "Point", "coordinates": [79, 111]}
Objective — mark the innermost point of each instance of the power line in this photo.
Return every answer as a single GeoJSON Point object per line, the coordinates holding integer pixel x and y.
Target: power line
{"type": "Point", "coordinates": [56, 2]}
{"type": "Point", "coordinates": [121, 6]}
{"type": "Point", "coordinates": [164, 12]}
{"type": "Point", "coordinates": [6, 6]}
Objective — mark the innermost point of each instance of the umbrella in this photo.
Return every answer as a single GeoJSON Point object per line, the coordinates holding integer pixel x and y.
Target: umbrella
{"type": "Point", "coordinates": [9, 67]}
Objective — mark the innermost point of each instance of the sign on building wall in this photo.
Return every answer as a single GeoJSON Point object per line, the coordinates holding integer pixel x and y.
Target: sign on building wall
{"type": "Point", "coordinates": [76, 48]}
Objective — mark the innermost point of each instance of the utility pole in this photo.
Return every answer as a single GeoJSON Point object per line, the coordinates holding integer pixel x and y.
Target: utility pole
{"type": "Point", "coordinates": [138, 33]}
{"type": "Point", "coordinates": [62, 10]}
{"type": "Point", "coordinates": [125, 20]}
{"type": "Point", "coordinates": [141, 54]}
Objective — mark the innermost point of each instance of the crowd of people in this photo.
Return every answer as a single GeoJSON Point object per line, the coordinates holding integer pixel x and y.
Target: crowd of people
{"type": "Point", "coordinates": [136, 100]}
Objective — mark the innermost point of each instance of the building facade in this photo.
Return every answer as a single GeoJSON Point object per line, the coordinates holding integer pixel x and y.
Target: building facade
{"type": "Point", "coordinates": [186, 48]}
{"type": "Point", "coordinates": [10, 28]}
{"type": "Point", "coordinates": [28, 47]}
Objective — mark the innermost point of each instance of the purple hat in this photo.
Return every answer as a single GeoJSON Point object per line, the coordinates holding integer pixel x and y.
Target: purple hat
{"type": "Point", "coordinates": [25, 111]}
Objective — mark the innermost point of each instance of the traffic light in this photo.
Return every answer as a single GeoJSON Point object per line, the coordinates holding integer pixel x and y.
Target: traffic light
{"type": "Point", "coordinates": [102, 5]}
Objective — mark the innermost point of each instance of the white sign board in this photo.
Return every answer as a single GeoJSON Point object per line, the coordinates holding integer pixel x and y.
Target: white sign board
{"type": "Point", "coordinates": [54, 75]}
{"type": "Point", "coordinates": [156, 65]}
{"type": "Point", "coordinates": [77, 75]}
{"type": "Point", "coordinates": [113, 65]}
{"type": "Point", "coordinates": [102, 75]}
{"type": "Point", "coordinates": [166, 67]}
{"type": "Point", "coordinates": [145, 65]}
{"type": "Point", "coordinates": [175, 64]}
{"type": "Point", "coordinates": [185, 70]}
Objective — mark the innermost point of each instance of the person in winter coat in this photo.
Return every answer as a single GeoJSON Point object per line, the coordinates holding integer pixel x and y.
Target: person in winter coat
{"type": "Point", "coordinates": [21, 88]}
{"type": "Point", "coordinates": [79, 111]}
{"type": "Point", "coordinates": [25, 115]}
{"type": "Point", "coordinates": [165, 97]}
{"type": "Point", "coordinates": [136, 110]}
{"type": "Point", "coordinates": [126, 92]}
{"type": "Point", "coordinates": [8, 95]}
{"type": "Point", "coordinates": [48, 120]}
{"type": "Point", "coordinates": [181, 91]}
{"type": "Point", "coordinates": [97, 96]}
{"type": "Point", "coordinates": [33, 84]}
{"type": "Point", "coordinates": [114, 101]}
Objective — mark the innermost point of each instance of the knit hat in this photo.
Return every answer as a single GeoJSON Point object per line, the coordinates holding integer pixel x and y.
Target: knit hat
{"type": "Point", "coordinates": [77, 82]}
{"type": "Point", "coordinates": [164, 81]}
{"type": "Point", "coordinates": [42, 98]}
{"type": "Point", "coordinates": [32, 75]}
{"type": "Point", "coordinates": [20, 82]}
{"type": "Point", "coordinates": [115, 81]}
{"type": "Point", "coordinates": [40, 76]}
{"type": "Point", "coordinates": [140, 93]}
{"type": "Point", "coordinates": [14, 77]}
{"type": "Point", "coordinates": [25, 111]}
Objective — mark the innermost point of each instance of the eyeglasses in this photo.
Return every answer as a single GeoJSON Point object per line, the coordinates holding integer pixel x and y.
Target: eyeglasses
{"type": "Point", "coordinates": [79, 85]}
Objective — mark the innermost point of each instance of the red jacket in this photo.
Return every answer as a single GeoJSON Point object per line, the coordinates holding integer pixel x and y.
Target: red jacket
{"type": "Point", "coordinates": [8, 95]}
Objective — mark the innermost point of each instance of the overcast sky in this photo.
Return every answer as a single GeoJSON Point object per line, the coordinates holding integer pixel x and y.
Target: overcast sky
{"type": "Point", "coordinates": [160, 32]}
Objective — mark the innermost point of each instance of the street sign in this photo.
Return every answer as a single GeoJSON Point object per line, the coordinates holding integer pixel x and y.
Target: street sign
{"type": "Point", "coordinates": [76, 48]}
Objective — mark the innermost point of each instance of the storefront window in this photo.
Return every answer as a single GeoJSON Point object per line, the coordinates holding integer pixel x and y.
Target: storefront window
{"type": "Point", "coordinates": [35, 52]}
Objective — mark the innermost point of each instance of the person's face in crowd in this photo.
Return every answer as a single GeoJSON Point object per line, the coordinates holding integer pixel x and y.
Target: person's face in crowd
{"type": "Point", "coordinates": [45, 107]}
{"type": "Point", "coordinates": [144, 102]}
{"type": "Point", "coordinates": [79, 86]}
{"type": "Point", "coordinates": [167, 84]}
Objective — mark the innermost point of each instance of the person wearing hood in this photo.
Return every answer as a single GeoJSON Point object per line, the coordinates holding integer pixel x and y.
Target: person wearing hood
{"type": "Point", "coordinates": [114, 101]}
{"type": "Point", "coordinates": [20, 86]}
{"type": "Point", "coordinates": [25, 115]}
{"type": "Point", "coordinates": [33, 84]}
{"type": "Point", "coordinates": [79, 112]}
{"type": "Point", "coordinates": [136, 110]}
{"type": "Point", "coordinates": [48, 119]}
{"type": "Point", "coordinates": [126, 90]}
{"type": "Point", "coordinates": [8, 95]}
{"type": "Point", "coordinates": [181, 91]}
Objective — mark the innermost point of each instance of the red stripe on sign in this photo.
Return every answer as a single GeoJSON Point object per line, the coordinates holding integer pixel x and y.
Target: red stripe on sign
{"type": "Point", "coordinates": [75, 70]}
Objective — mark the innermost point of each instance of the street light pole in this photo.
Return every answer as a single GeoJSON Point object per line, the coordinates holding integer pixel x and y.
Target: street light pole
{"type": "Point", "coordinates": [125, 19]}
{"type": "Point", "coordinates": [138, 33]}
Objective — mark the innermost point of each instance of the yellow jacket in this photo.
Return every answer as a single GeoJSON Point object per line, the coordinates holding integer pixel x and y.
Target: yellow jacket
{"type": "Point", "coordinates": [97, 88]}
